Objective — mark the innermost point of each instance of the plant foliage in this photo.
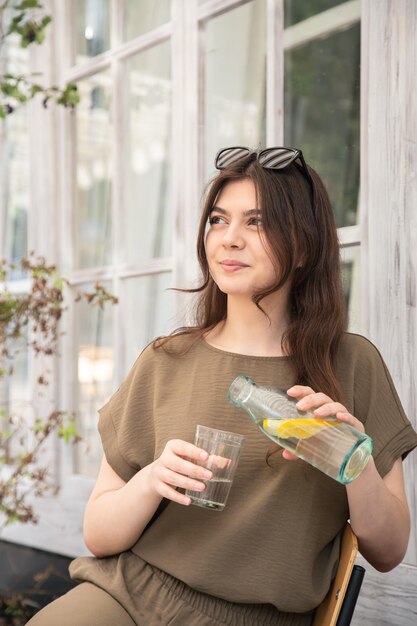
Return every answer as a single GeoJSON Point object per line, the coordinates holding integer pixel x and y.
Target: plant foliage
{"type": "Point", "coordinates": [33, 318]}
{"type": "Point", "coordinates": [25, 21]}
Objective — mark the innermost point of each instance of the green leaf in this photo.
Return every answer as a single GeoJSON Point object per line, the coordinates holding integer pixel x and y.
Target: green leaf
{"type": "Point", "coordinates": [28, 4]}
{"type": "Point", "coordinates": [14, 23]}
{"type": "Point", "coordinates": [21, 97]}
{"type": "Point", "coordinates": [3, 113]}
{"type": "Point", "coordinates": [40, 36]}
{"type": "Point", "coordinates": [58, 283]}
{"type": "Point", "coordinates": [36, 89]}
{"type": "Point", "coordinates": [8, 89]}
{"type": "Point", "coordinates": [46, 20]}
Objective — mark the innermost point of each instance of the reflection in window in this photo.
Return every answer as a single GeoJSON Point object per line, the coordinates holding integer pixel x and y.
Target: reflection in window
{"type": "Point", "coordinates": [93, 184]}
{"type": "Point", "coordinates": [322, 81]}
{"type": "Point", "coordinates": [352, 286]}
{"type": "Point", "coordinates": [140, 17]}
{"type": "Point", "coordinates": [14, 167]}
{"type": "Point", "coordinates": [15, 396]}
{"type": "Point", "coordinates": [149, 312]}
{"type": "Point", "coordinates": [14, 385]}
{"type": "Point", "coordinates": [148, 227]}
{"type": "Point", "coordinates": [298, 10]}
{"type": "Point", "coordinates": [92, 28]}
{"type": "Point", "coordinates": [93, 327]}
{"type": "Point", "coordinates": [235, 80]}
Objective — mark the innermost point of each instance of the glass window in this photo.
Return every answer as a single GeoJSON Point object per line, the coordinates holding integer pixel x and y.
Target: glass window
{"type": "Point", "coordinates": [14, 179]}
{"type": "Point", "coordinates": [14, 387]}
{"type": "Point", "coordinates": [149, 312]}
{"type": "Point", "coordinates": [140, 17]}
{"type": "Point", "coordinates": [14, 166]}
{"type": "Point", "coordinates": [235, 80]}
{"type": "Point", "coordinates": [322, 82]}
{"type": "Point", "coordinates": [92, 244]}
{"type": "Point", "coordinates": [93, 328]}
{"type": "Point", "coordinates": [149, 224]}
{"type": "Point", "coordinates": [298, 10]}
{"type": "Point", "coordinates": [91, 19]}
{"type": "Point", "coordinates": [15, 397]}
{"type": "Point", "coordinates": [351, 275]}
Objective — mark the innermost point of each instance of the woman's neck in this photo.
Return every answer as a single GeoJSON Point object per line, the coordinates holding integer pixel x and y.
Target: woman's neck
{"type": "Point", "coordinates": [247, 330]}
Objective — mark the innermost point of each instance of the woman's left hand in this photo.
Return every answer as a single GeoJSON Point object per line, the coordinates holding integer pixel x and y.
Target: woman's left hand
{"type": "Point", "coordinates": [322, 407]}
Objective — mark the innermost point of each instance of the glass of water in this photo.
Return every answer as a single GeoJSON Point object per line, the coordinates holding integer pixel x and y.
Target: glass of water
{"type": "Point", "coordinates": [224, 450]}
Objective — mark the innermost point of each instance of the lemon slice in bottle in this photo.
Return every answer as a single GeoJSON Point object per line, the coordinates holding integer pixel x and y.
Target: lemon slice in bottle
{"type": "Point", "coordinates": [299, 428]}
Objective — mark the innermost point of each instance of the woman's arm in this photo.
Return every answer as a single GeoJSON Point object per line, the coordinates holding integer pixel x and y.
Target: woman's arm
{"type": "Point", "coordinates": [378, 506]}
{"type": "Point", "coordinates": [117, 512]}
{"type": "Point", "coordinates": [379, 515]}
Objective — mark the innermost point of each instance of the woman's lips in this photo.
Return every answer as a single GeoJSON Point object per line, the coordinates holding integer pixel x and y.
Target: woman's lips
{"type": "Point", "coordinates": [230, 265]}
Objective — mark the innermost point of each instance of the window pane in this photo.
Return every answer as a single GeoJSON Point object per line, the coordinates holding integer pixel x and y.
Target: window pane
{"type": "Point", "coordinates": [94, 167]}
{"type": "Point", "coordinates": [298, 10]}
{"type": "Point", "coordinates": [93, 327]}
{"type": "Point", "coordinates": [14, 166]}
{"type": "Point", "coordinates": [91, 20]}
{"type": "Point", "coordinates": [351, 268]}
{"type": "Point", "coordinates": [15, 398]}
{"type": "Point", "coordinates": [148, 186]}
{"type": "Point", "coordinates": [235, 80]}
{"type": "Point", "coordinates": [322, 81]}
{"type": "Point", "coordinates": [140, 17]}
{"type": "Point", "coordinates": [15, 392]}
{"type": "Point", "coordinates": [150, 312]}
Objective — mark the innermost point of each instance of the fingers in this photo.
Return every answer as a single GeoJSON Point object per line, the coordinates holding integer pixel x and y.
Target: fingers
{"type": "Point", "coordinates": [322, 406]}
{"type": "Point", "coordinates": [218, 462]}
{"type": "Point", "coordinates": [320, 403]}
{"type": "Point", "coordinates": [328, 408]}
{"type": "Point", "coordinates": [289, 456]}
{"type": "Point", "coordinates": [181, 465]}
{"type": "Point", "coordinates": [186, 458]}
{"type": "Point", "coordinates": [344, 416]}
{"type": "Point", "coordinates": [186, 449]}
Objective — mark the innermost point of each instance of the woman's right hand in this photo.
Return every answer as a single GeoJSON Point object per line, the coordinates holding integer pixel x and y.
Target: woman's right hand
{"type": "Point", "coordinates": [177, 467]}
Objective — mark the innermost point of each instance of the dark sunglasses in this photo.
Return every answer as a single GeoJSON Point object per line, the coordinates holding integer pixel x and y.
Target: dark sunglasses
{"type": "Point", "coordinates": [270, 158]}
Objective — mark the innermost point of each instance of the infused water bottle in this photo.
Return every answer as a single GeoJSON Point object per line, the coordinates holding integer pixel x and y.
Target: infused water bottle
{"type": "Point", "coordinates": [332, 446]}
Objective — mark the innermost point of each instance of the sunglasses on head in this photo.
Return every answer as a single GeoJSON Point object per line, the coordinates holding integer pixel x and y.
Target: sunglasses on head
{"type": "Point", "coordinates": [277, 158]}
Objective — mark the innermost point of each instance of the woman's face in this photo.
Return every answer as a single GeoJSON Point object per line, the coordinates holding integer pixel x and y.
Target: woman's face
{"type": "Point", "coordinates": [237, 252]}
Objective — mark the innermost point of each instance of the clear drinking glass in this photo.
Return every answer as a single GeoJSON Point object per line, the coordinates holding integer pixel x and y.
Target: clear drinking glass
{"type": "Point", "coordinates": [224, 450]}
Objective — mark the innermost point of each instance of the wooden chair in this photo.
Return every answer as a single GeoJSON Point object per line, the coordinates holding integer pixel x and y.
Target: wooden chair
{"type": "Point", "coordinates": [338, 606]}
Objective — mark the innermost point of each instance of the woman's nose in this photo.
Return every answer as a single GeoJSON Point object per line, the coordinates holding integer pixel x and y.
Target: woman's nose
{"type": "Point", "coordinates": [233, 237]}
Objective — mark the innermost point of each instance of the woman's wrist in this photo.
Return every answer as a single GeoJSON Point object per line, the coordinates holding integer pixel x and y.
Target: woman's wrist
{"type": "Point", "coordinates": [367, 480]}
{"type": "Point", "coordinates": [140, 487]}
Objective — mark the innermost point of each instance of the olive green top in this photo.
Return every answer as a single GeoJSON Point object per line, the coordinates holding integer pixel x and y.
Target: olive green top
{"type": "Point", "coordinates": [277, 540]}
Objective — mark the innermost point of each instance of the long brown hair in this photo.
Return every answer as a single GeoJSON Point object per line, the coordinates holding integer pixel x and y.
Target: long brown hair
{"type": "Point", "coordinates": [299, 228]}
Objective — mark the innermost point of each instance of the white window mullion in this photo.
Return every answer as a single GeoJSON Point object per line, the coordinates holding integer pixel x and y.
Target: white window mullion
{"type": "Point", "coordinates": [185, 162]}
{"type": "Point", "coordinates": [120, 165]}
{"type": "Point", "coordinates": [349, 235]}
{"type": "Point", "coordinates": [275, 74]}
{"type": "Point", "coordinates": [67, 185]}
{"type": "Point", "coordinates": [214, 8]}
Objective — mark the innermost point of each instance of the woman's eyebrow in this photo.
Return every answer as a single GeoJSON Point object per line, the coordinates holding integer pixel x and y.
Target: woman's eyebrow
{"type": "Point", "coordinates": [249, 213]}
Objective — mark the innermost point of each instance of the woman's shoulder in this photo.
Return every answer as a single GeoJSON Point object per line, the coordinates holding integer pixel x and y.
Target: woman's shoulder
{"type": "Point", "coordinates": [356, 348]}
{"type": "Point", "coordinates": [168, 346]}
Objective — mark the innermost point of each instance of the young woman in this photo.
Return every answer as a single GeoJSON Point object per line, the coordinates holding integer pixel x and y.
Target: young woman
{"type": "Point", "coordinates": [270, 306]}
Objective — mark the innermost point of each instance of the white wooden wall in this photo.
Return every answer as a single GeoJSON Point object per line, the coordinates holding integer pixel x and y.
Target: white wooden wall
{"type": "Point", "coordinates": [389, 249]}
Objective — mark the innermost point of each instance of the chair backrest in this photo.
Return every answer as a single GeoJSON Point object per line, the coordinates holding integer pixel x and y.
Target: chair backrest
{"type": "Point", "coordinates": [328, 612]}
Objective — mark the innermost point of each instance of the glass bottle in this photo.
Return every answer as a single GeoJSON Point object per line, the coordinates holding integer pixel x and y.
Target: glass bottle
{"type": "Point", "coordinates": [332, 446]}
